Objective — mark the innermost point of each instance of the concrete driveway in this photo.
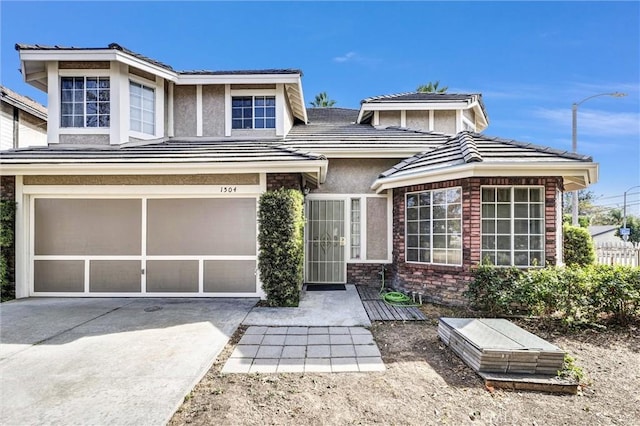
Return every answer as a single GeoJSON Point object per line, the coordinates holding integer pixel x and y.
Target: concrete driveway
{"type": "Point", "coordinates": [107, 361]}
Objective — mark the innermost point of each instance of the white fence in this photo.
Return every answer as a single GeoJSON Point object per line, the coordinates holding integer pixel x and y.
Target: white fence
{"type": "Point", "coordinates": [618, 253]}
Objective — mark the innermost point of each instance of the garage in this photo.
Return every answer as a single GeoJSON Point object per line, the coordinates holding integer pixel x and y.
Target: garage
{"type": "Point", "coordinates": [144, 245]}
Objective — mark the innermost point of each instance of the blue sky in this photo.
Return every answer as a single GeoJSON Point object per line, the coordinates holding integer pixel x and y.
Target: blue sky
{"type": "Point", "coordinates": [530, 61]}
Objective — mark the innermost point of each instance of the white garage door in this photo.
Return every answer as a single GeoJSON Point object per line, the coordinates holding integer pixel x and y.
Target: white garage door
{"type": "Point", "coordinates": [144, 246]}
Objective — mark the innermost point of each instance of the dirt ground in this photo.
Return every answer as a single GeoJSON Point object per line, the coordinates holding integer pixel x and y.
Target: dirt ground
{"type": "Point", "coordinates": [425, 383]}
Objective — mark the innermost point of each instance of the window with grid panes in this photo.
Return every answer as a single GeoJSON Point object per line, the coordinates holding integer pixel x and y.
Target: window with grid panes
{"type": "Point", "coordinates": [142, 108]}
{"type": "Point", "coordinates": [253, 112]}
{"type": "Point", "coordinates": [513, 225]}
{"type": "Point", "coordinates": [85, 102]}
{"type": "Point", "coordinates": [433, 226]}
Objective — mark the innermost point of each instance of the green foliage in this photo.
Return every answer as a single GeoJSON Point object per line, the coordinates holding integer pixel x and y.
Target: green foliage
{"type": "Point", "coordinates": [583, 221]}
{"type": "Point", "coordinates": [431, 87]}
{"type": "Point", "coordinates": [281, 246]}
{"type": "Point", "coordinates": [322, 101]}
{"type": "Point", "coordinates": [7, 220]}
{"type": "Point", "coordinates": [574, 294]}
{"type": "Point", "coordinates": [578, 246]}
{"type": "Point", "coordinates": [633, 223]}
{"type": "Point", "coordinates": [570, 370]}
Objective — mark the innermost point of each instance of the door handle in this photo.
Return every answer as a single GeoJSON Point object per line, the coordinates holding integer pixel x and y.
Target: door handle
{"type": "Point", "coordinates": [343, 241]}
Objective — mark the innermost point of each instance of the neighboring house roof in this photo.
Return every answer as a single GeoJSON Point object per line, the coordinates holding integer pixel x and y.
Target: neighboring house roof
{"type": "Point", "coordinates": [24, 103]}
{"type": "Point", "coordinates": [471, 154]}
{"type": "Point", "coordinates": [596, 230]}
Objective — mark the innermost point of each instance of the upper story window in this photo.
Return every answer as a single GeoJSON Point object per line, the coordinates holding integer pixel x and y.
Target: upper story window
{"type": "Point", "coordinates": [253, 112]}
{"type": "Point", "coordinates": [434, 226]}
{"type": "Point", "coordinates": [142, 108]}
{"type": "Point", "coordinates": [513, 225]}
{"type": "Point", "coordinates": [85, 102]}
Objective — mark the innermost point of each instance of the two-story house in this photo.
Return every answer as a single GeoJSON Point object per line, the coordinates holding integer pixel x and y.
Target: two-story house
{"type": "Point", "coordinates": [150, 181]}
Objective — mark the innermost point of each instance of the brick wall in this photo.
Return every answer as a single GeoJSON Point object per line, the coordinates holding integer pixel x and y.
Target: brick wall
{"type": "Point", "coordinates": [367, 273]}
{"type": "Point", "coordinates": [283, 180]}
{"type": "Point", "coordinates": [446, 284]}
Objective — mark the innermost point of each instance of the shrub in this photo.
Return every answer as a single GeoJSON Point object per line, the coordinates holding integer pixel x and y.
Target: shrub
{"type": "Point", "coordinates": [578, 246]}
{"type": "Point", "coordinates": [574, 294]}
{"type": "Point", "coordinates": [281, 246]}
{"type": "Point", "coordinates": [7, 220]}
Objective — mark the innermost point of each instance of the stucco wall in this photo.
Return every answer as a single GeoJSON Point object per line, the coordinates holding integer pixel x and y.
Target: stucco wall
{"type": "Point", "coordinates": [377, 226]}
{"type": "Point", "coordinates": [353, 175]}
{"type": "Point", "coordinates": [418, 120]}
{"type": "Point", "coordinates": [84, 139]}
{"type": "Point", "coordinates": [389, 118]}
{"type": "Point", "coordinates": [184, 110]}
{"type": "Point", "coordinates": [213, 110]}
{"type": "Point", "coordinates": [445, 122]}
{"type": "Point", "coordinates": [469, 114]}
{"type": "Point", "coordinates": [221, 179]}
{"type": "Point", "coordinates": [253, 133]}
{"type": "Point", "coordinates": [446, 283]}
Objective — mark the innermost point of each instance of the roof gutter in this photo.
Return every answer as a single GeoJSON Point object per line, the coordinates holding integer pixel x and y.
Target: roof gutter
{"type": "Point", "coordinates": [575, 176]}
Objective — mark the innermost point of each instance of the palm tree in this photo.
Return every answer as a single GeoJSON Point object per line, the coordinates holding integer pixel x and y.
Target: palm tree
{"type": "Point", "coordinates": [322, 101]}
{"type": "Point", "coordinates": [431, 88]}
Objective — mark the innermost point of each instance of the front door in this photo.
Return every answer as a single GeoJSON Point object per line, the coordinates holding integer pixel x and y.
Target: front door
{"type": "Point", "coordinates": [325, 241]}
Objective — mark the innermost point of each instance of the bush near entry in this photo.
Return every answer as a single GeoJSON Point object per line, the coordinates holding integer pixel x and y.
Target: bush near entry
{"type": "Point", "coordinates": [574, 294]}
{"type": "Point", "coordinates": [281, 246]}
{"type": "Point", "coordinates": [7, 219]}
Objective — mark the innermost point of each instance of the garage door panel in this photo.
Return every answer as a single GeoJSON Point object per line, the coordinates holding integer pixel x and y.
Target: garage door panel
{"type": "Point", "coordinates": [172, 276]}
{"type": "Point", "coordinates": [115, 276]}
{"type": "Point", "coordinates": [201, 226]}
{"type": "Point", "coordinates": [230, 276]}
{"type": "Point", "coordinates": [88, 226]}
{"type": "Point", "coordinates": [58, 276]}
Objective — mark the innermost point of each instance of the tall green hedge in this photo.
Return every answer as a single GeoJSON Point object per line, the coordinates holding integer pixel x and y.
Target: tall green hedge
{"type": "Point", "coordinates": [578, 246]}
{"type": "Point", "coordinates": [7, 220]}
{"type": "Point", "coordinates": [574, 294]}
{"type": "Point", "coordinates": [281, 246]}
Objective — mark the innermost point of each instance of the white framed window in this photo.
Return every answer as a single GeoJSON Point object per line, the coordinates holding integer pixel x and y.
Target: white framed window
{"type": "Point", "coordinates": [142, 108]}
{"type": "Point", "coordinates": [513, 225]}
{"type": "Point", "coordinates": [355, 223]}
{"type": "Point", "coordinates": [253, 112]}
{"type": "Point", "coordinates": [85, 102]}
{"type": "Point", "coordinates": [433, 226]}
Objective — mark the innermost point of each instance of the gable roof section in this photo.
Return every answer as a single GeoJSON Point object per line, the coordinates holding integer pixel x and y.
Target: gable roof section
{"type": "Point", "coordinates": [419, 100]}
{"type": "Point", "coordinates": [24, 103]}
{"type": "Point", "coordinates": [471, 154]}
{"type": "Point", "coordinates": [33, 59]}
{"type": "Point", "coordinates": [178, 155]}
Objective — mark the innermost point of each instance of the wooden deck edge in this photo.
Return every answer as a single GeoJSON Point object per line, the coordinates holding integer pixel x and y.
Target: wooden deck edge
{"type": "Point", "coordinates": [536, 383]}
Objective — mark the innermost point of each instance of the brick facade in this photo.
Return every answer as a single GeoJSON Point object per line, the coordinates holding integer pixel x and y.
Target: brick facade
{"type": "Point", "coordinates": [446, 284]}
{"type": "Point", "coordinates": [284, 180]}
{"type": "Point", "coordinates": [367, 273]}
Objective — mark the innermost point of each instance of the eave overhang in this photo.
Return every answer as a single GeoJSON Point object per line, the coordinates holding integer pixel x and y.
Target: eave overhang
{"type": "Point", "coordinates": [574, 175]}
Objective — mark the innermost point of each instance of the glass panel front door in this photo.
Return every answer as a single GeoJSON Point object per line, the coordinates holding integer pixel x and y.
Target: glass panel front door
{"type": "Point", "coordinates": [325, 241]}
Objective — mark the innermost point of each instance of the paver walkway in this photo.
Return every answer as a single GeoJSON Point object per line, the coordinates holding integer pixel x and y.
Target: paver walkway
{"type": "Point", "coordinates": [305, 349]}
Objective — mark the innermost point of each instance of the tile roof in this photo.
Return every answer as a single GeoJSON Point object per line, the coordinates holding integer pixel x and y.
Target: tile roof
{"type": "Point", "coordinates": [468, 147]}
{"type": "Point", "coordinates": [349, 138]}
{"type": "Point", "coordinates": [116, 46]}
{"type": "Point", "coordinates": [332, 116]}
{"type": "Point", "coordinates": [23, 102]}
{"type": "Point", "coordinates": [164, 150]}
{"type": "Point", "coordinates": [421, 97]}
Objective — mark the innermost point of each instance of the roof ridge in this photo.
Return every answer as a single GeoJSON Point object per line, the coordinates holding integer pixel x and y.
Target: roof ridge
{"type": "Point", "coordinates": [468, 147]}
{"type": "Point", "coordinates": [536, 147]}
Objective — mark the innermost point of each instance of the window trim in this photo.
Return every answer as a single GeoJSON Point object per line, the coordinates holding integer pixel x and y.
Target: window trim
{"type": "Point", "coordinates": [543, 217]}
{"type": "Point", "coordinates": [84, 74]}
{"type": "Point", "coordinates": [141, 82]}
{"type": "Point", "coordinates": [253, 111]}
{"type": "Point", "coordinates": [417, 262]}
